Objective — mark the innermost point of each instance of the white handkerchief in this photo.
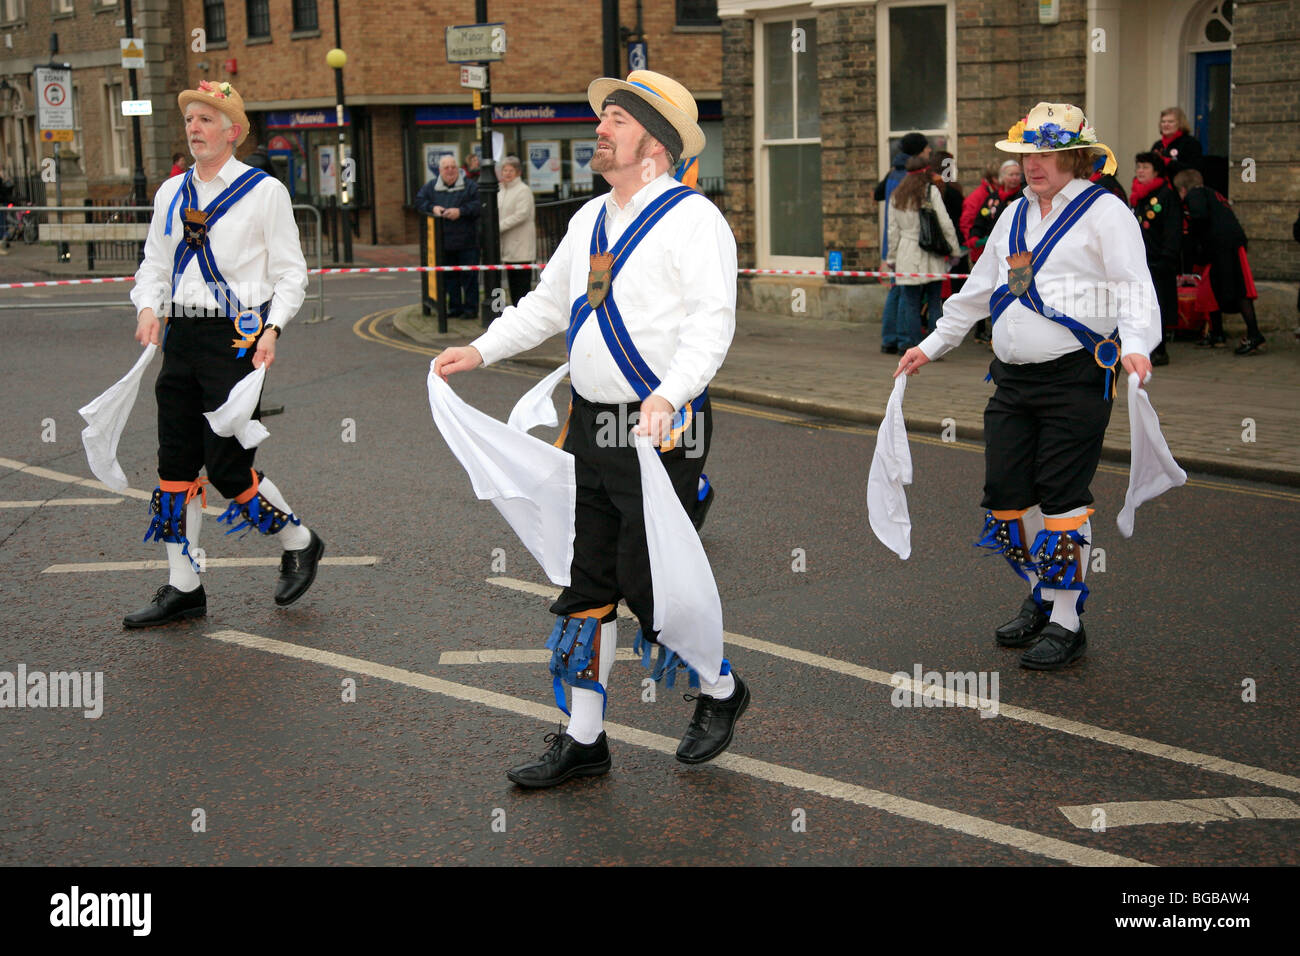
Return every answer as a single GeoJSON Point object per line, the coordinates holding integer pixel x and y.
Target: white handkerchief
{"type": "Point", "coordinates": [1152, 469]}
{"type": "Point", "coordinates": [235, 416]}
{"type": "Point", "coordinates": [688, 611]}
{"type": "Point", "coordinates": [891, 469]}
{"type": "Point", "coordinates": [536, 407]}
{"type": "Point", "coordinates": [529, 481]}
{"type": "Point", "coordinates": [106, 417]}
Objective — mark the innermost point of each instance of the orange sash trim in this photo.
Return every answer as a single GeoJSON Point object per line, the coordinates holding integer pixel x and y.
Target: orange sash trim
{"type": "Point", "coordinates": [564, 433]}
{"type": "Point", "coordinates": [191, 488]}
{"type": "Point", "coordinates": [1067, 524]}
{"type": "Point", "coordinates": [596, 612]}
{"type": "Point", "coordinates": [247, 496]}
{"type": "Point", "coordinates": [1008, 515]}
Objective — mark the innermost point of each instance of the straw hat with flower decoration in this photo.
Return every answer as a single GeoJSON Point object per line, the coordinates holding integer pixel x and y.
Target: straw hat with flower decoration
{"type": "Point", "coordinates": [665, 96]}
{"type": "Point", "coordinates": [221, 96]}
{"type": "Point", "coordinates": [1053, 128]}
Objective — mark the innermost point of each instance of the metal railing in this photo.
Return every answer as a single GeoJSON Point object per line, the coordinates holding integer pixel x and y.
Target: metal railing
{"type": "Point", "coordinates": [131, 230]}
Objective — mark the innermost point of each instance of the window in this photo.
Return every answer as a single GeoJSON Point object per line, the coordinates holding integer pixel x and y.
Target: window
{"type": "Point", "coordinates": [259, 18]}
{"type": "Point", "coordinates": [697, 13]}
{"type": "Point", "coordinates": [214, 20]}
{"type": "Point", "coordinates": [62, 6]}
{"type": "Point", "coordinates": [118, 154]}
{"type": "Point", "coordinates": [304, 15]}
{"type": "Point", "coordinates": [12, 10]}
{"type": "Point", "coordinates": [790, 160]}
{"type": "Point", "coordinates": [75, 145]}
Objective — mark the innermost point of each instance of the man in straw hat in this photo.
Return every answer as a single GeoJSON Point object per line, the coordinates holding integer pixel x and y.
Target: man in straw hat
{"type": "Point", "coordinates": [1064, 278]}
{"type": "Point", "coordinates": [666, 256]}
{"type": "Point", "coordinates": [222, 275]}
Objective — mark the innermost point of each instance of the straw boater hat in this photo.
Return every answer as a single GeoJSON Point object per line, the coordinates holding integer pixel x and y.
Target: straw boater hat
{"type": "Point", "coordinates": [223, 97]}
{"type": "Point", "coordinates": [665, 96]}
{"type": "Point", "coordinates": [1053, 128]}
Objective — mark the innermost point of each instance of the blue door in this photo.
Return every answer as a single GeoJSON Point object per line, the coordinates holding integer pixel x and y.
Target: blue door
{"type": "Point", "coordinates": [1213, 100]}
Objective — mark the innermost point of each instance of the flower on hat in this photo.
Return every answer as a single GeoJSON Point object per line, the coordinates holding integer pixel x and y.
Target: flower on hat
{"type": "Point", "coordinates": [1017, 133]}
{"type": "Point", "coordinates": [1087, 134]}
{"type": "Point", "coordinates": [217, 90]}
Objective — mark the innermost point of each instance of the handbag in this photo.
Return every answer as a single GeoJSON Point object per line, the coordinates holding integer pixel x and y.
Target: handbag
{"type": "Point", "coordinates": [931, 234]}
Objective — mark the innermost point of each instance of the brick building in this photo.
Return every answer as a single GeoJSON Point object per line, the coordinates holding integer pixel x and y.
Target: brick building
{"type": "Point", "coordinates": [405, 103]}
{"type": "Point", "coordinates": [100, 160]}
{"type": "Point", "coordinates": [817, 94]}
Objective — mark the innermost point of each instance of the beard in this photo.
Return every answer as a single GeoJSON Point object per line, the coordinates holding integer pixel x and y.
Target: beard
{"type": "Point", "coordinates": [605, 162]}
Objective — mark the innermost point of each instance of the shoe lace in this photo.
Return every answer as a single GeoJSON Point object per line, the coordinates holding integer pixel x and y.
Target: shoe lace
{"type": "Point", "coordinates": [160, 594]}
{"type": "Point", "coordinates": [555, 742]}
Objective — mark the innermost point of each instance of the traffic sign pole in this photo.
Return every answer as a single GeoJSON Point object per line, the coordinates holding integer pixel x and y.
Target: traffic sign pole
{"type": "Point", "coordinates": [487, 187]}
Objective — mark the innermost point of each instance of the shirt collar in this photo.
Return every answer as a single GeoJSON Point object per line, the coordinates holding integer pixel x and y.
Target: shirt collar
{"type": "Point", "coordinates": [639, 200]}
{"type": "Point", "coordinates": [1064, 195]}
{"type": "Point", "coordinates": [229, 172]}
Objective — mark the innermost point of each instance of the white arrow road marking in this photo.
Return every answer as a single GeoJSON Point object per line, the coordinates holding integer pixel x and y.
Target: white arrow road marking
{"type": "Point", "coordinates": [1141, 745]}
{"type": "Point", "coordinates": [1211, 810]}
{"type": "Point", "coordinates": [978, 827]}
{"type": "Point", "coordinates": [346, 562]}
{"type": "Point", "coordinates": [60, 501]}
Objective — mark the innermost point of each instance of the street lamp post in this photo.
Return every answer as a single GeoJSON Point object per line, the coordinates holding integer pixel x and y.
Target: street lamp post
{"type": "Point", "coordinates": [487, 190]}
{"type": "Point", "coordinates": [336, 59]}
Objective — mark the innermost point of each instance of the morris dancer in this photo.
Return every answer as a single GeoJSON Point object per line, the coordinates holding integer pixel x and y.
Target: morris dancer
{"type": "Point", "coordinates": [222, 259]}
{"type": "Point", "coordinates": [1049, 278]}
{"type": "Point", "coordinates": [667, 256]}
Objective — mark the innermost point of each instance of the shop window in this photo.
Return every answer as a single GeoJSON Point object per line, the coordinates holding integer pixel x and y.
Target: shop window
{"type": "Point", "coordinates": [790, 142]}
{"type": "Point", "coordinates": [259, 18]}
{"type": "Point", "coordinates": [118, 154]}
{"type": "Point", "coordinates": [13, 10]}
{"type": "Point", "coordinates": [214, 20]}
{"type": "Point", "coordinates": [304, 15]}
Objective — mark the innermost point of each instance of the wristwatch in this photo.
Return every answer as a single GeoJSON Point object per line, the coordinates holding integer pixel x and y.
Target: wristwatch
{"type": "Point", "coordinates": [278, 330]}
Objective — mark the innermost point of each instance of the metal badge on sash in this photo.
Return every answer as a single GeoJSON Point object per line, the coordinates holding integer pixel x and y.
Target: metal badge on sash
{"type": "Point", "coordinates": [196, 228]}
{"type": "Point", "coordinates": [1021, 274]}
{"type": "Point", "coordinates": [248, 324]}
{"type": "Point", "coordinates": [598, 278]}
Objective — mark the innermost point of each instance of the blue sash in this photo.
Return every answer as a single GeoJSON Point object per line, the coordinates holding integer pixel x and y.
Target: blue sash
{"type": "Point", "coordinates": [634, 368]}
{"type": "Point", "coordinates": [248, 321]}
{"type": "Point", "coordinates": [1104, 349]}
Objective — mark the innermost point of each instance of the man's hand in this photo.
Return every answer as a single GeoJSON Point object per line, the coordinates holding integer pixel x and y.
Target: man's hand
{"type": "Point", "coordinates": [438, 210]}
{"type": "Point", "coordinates": [147, 327]}
{"type": "Point", "coordinates": [452, 213]}
{"type": "Point", "coordinates": [656, 418]}
{"type": "Point", "coordinates": [459, 359]}
{"type": "Point", "coordinates": [1138, 363]}
{"type": "Point", "coordinates": [911, 361]}
{"type": "Point", "coordinates": [265, 354]}
{"type": "Point", "coordinates": [884, 267]}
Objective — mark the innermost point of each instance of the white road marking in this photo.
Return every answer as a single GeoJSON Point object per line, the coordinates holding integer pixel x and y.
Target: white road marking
{"type": "Point", "coordinates": [1141, 745]}
{"type": "Point", "coordinates": [1211, 810]}
{"type": "Point", "coordinates": [514, 657]}
{"type": "Point", "coordinates": [346, 562]}
{"type": "Point", "coordinates": [38, 472]}
{"type": "Point", "coordinates": [977, 827]}
{"type": "Point", "coordinates": [35, 503]}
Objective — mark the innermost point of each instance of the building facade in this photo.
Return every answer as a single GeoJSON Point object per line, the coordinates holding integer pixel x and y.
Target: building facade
{"type": "Point", "coordinates": [817, 95]}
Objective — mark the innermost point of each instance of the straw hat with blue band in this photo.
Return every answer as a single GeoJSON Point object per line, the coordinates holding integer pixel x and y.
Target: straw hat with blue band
{"type": "Point", "coordinates": [1053, 128]}
{"type": "Point", "coordinates": [665, 96]}
{"type": "Point", "coordinates": [223, 97]}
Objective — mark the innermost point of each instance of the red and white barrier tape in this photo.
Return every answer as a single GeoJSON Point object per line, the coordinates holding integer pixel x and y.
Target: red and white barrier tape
{"type": "Point", "coordinates": [516, 266]}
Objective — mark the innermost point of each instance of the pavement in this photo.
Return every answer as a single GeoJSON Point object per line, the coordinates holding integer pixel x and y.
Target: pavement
{"type": "Point", "coordinates": [1221, 414]}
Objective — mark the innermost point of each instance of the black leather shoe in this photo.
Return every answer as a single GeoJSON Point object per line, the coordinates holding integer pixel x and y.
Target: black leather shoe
{"type": "Point", "coordinates": [1160, 356]}
{"type": "Point", "coordinates": [1249, 346]}
{"type": "Point", "coordinates": [889, 349]}
{"type": "Point", "coordinates": [1026, 625]}
{"type": "Point", "coordinates": [1056, 648]}
{"type": "Point", "coordinates": [169, 604]}
{"type": "Point", "coordinates": [298, 571]}
{"type": "Point", "coordinates": [713, 725]}
{"type": "Point", "coordinates": [564, 758]}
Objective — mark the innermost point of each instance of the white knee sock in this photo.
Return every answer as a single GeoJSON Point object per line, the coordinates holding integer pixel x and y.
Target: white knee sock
{"type": "Point", "coordinates": [1032, 522]}
{"type": "Point", "coordinates": [1065, 603]}
{"type": "Point", "coordinates": [586, 712]}
{"type": "Point", "coordinates": [723, 689]}
{"type": "Point", "coordinates": [181, 573]}
{"type": "Point", "coordinates": [292, 537]}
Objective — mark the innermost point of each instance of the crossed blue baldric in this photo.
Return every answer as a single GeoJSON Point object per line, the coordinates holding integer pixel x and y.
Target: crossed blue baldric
{"type": "Point", "coordinates": [185, 251]}
{"type": "Point", "coordinates": [1104, 348]}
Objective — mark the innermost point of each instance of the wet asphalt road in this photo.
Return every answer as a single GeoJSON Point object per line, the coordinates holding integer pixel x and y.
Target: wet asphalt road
{"type": "Point", "coordinates": [285, 770]}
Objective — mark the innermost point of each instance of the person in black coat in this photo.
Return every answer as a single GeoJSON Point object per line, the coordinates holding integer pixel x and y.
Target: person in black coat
{"type": "Point", "coordinates": [1177, 146]}
{"type": "Point", "coordinates": [1217, 240]}
{"type": "Point", "coordinates": [1160, 213]}
{"type": "Point", "coordinates": [454, 199]}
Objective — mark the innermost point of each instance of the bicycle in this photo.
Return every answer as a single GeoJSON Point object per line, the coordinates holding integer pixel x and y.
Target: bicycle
{"type": "Point", "coordinates": [22, 225]}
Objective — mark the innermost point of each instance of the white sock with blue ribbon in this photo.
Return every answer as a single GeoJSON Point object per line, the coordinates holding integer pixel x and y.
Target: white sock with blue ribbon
{"type": "Point", "coordinates": [587, 707]}
{"type": "Point", "coordinates": [292, 537]}
{"type": "Point", "coordinates": [181, 572]}
{"type": "Point", "coordinates": [722, 690]}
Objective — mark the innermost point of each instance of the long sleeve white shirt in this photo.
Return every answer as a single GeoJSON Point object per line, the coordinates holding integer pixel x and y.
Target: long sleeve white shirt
{"type": "Point", "coordinates": [676, 293]}
{"type": "Point", "coordinates": [1097, 275]}
{"type": "Point", "coordinates": [255, 245]}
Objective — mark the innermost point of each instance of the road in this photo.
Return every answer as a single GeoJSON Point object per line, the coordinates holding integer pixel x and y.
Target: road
{"type": "Point", "coordinates": [239, 739]}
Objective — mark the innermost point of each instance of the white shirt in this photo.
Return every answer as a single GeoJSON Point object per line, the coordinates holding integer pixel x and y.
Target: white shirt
{"type": "Point", "coordinates": [676, 293]}
{"type": "Point", "coordinates": [255, 245]}
{"type": "Point", "coordinates": [1097, 274]}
